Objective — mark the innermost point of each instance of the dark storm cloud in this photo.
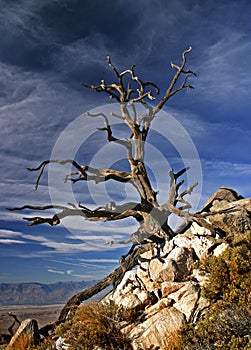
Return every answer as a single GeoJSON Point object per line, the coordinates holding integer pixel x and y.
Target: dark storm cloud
{"type": "Point", "coordinates": [36, 32]}
{"type": "Point", "coordinates": [71, 38]}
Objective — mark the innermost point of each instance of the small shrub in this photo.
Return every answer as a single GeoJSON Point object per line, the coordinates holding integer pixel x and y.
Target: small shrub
{"type": "Point", "coordinates": [229, 274]}
{"type": "Point", "coordinates": [227, 323]}
{"type": "Point", "coordinates": [96, 324]}
{"type": "Point", "coordinates": [46, 344]}
{"type": "Point", "coordinates": [23, 342]}
{"type": "Point", "coordinates": [225, 327]}
{"type": "Point", "coordinates": [173, 341]}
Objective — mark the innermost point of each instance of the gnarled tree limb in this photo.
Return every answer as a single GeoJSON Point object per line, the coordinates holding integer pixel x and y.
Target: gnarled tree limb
{"type": "Point", "coordinates": [171, 90]}
{"type": "Point", "coordinates": [96, 175]}
{"type": "Point", "coordinates": [104, 213]}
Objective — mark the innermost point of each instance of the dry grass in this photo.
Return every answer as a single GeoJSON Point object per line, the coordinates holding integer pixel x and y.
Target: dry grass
{"type": "Point", "coordinates": [22, 343]}
{"type": "Point", "coordinates": [96, 324]}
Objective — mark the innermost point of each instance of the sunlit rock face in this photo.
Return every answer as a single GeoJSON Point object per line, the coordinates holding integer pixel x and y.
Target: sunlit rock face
{"type": "Point", "coordinates": [26, 336]}
{"type": "Point", "coordinates": [165, 287]}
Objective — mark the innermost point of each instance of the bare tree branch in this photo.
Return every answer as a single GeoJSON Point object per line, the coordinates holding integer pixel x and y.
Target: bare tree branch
{"type": "Point", "coordinates": [100, 175]}
{"type": "Point", "coordinates": [180, 70]}
{"type": "Point", "coordinates": [181, 196]}
{"type": "Point", "coordinates": [121, 93]}
{"type": "Point", "coordinates": [97, 175]}
{"type": "Point", "coordinates": [104, 213]}
{"type": "Point", "coordinates": [175, 197]}
{"type": "Point", "coordinates": [107, 128]}
{"type": "Point", "coordinates": [36, 207]}
{"type": "Point", "coordinates": [103, 88]}
{"type": "Point", "coordinates": [174, 187]}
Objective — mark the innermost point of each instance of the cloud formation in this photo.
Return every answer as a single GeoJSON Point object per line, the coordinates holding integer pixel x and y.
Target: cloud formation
{"type": "Point", "coordinates": [47, 48]}
{"type": "Point", "coordinates": [10, 241]}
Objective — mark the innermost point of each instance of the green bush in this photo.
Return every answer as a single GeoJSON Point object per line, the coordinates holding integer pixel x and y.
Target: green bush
{"type": "Point", "coordinates": [229, 274]}
{"type": "Point", "coordinates": [224, 327]}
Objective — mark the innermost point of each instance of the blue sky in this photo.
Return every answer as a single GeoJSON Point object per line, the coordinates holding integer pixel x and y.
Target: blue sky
{"type": "Point", "coordinates": [47, 49]}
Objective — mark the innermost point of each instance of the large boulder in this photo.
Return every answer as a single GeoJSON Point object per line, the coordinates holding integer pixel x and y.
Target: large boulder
{"type": "Point", "coordinates": [232, 217]}
{"type": "Point", "coordinates": [229, 211]}
{"type": "Point", "coordinates": [222, 196]}
{"type": "Point", "coordinates": [186, 298]}
{"type": "Point", "coordinates": [26, 335]}
{"type": "Point", "coordinates": [156, 329]}
{"type": "Point", "coordinates": [163, 271]}
{"type": "Point", "coordinates": [175, 267]}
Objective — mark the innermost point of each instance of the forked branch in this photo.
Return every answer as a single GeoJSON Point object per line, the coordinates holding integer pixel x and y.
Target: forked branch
{"type": "Point", "coordinates": [108, 129]}
{"type": "Point", "coordinates": [122, 93]}
{"type": "Point", "coordinates": [109, 212]}
{"type": "Point", "coordinates": [85, 172]}
{"type": "Point", "coordinates": [175, 197]}
{"type": "Point", "coordinates": [171, 90]}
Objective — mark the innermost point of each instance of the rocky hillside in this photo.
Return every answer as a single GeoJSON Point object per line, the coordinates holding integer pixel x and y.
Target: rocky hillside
{"type": "Point", "coordinates": [168, 282]}
{"type": "Point", "coordinates": [191, 293]}
{"type": "Point", "coordinates": [38, 293]}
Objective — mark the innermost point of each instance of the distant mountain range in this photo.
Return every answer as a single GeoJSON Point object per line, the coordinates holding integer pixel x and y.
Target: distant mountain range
{"type": "Point", "coordinates": [40, 294]}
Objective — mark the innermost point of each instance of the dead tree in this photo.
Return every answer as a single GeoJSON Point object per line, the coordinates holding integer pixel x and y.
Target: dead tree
{"type": "Point", "coordinates": [5, 338]}
{"type": "Point", "coordinates": [152, 217]}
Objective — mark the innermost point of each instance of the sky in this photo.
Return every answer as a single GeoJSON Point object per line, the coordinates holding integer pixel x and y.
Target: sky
{"type": "Point", "coordinates": [47, 49]}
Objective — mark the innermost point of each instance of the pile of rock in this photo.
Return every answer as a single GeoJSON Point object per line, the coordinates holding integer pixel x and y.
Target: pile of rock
{"type": "Point", "coordinates": [164, 286]}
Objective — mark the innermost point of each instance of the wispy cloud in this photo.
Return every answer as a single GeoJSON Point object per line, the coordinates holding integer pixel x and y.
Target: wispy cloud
{"type": "Point", "coordinates": [227, 168]}
{"type": "Point", "coordinates": [223, 64]}
{"type": "Point", "coordinates": [112, 261]}
{"type": "Point", "coordinates": [56, 271]}
{"type": "Point", "coordinates": [9, 233]}
{"type": "Point", "coordinates": [70, 273]}
{"type": "Point", "coordinates": [10, 241]}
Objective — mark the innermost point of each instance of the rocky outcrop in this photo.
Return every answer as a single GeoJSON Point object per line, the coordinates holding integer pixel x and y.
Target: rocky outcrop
{"type": "Point", "coordinates": [165, 286]}
{"type": "Point", "coordinates": [150, 332]}
{"type": "Point", "coordinates": [26, 335]}
{"type": "Point", "coordinates": [221, 197]}
{"type": "Point", "coordinates": [228, 211]}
